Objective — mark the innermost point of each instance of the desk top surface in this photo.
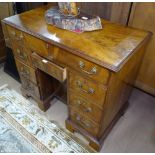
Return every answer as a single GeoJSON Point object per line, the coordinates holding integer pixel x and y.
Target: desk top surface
{"type": "Point", "coordinates": [110, 47]}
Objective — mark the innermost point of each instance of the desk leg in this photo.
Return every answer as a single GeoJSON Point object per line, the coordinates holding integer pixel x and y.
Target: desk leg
{"type": "Point", "coordinates": [69, 126]}
{"type": "Point", "coordinates": [43, 105]}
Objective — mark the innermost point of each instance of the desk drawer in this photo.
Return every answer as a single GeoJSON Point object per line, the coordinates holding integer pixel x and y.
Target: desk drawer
{"type": "Point", "coordinates": [88, 89]}
{"type": "Point", "coordinates": [26, 71]}
{"type": "Point", "coordinates": [21, 53]}
{"type": "Point", "coordinates": [54, 70]}
{"type": "Point", "coordinates": [37, 45]}
{"type": "Point", "coordinates": [15, 35]}
{"type": "Point", "coordinates": [85, 107]}
{"type": "Point", "coordinates": [83, 66]}
{"type": "Point", "coordinates": [83, 122]}
{"type": "Point", "coordinates": [30, 87]}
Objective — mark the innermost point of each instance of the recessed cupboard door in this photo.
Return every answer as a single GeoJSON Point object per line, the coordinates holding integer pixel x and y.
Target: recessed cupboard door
{"type": "Point", "coordinates": [143, 17]}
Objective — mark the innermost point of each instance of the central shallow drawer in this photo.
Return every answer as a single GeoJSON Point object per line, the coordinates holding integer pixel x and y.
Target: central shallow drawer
{"type": "Point", "coordinates": [83, 66]}
{"type": "Point", "coordinates": [50, 68]}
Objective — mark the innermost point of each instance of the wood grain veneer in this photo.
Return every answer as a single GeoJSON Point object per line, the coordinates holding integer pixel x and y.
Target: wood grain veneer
{"type": "Point", "coordinates": [109, 47]}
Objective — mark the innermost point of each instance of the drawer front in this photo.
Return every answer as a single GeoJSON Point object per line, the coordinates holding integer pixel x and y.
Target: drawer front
{"type": "Point", "coordinates": [22, 53]}
{"type": "Point", "coordinates": [85, 107]}
{"type": "Point", "coordinates": [15, 35]}
{"type": "Point", "coordinates": [30, 87]}
{"type": "Point", "coordinates": [37, 45]}
{"type": "Point", "coordinates": [26, 71]}
{"type": "Point", "coordinates": [84, 123]}
{"type": "Point", "coordinates": [5, 34]}
{"type": "Point", "coordinates": [87, 88]}
{"type": "Point", "coordinates": [85, 67]}
{"type": "Point", "coordinates": [54, 70]}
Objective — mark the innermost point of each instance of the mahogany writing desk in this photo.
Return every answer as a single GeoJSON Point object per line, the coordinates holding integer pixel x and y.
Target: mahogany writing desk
{"type": "Point", "coordinates": [93, 71]}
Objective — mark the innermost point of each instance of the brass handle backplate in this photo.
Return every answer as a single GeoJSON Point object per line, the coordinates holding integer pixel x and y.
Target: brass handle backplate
{"type": "Point", "coordinates": [13, 33]}
{"type": "Point", "coordinates": [24, 71]}
{"type": "Point", "coordinates": [21, 55]}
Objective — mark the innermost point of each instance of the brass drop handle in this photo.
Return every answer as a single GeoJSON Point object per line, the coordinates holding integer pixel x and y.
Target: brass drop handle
{"type": "Point", "coordinates": [24, 71]}
{"type": "Point", "coordinates": [13, 33]}
{"type": "Point", "coordinates": [89, 91]}
{"type": "Point", "coordinates": [86, 109]}
{"type": "Point", "coordinates": [89, 109]}
{"type": "Point", "coordinates": [78, 118]}
{"type": "Point", "coordinates": [18, 51]}
{"type": "Point", "coordinates": [91, 72]}
{"type": "Point", "coordinates": [79, 102]}
{"type": "Point", "coordinates": [21, 36]}
{"type": "Point", "coordinates": [87, 124]}
{"type": "Point", "coordinates": [23, 56]}
{"type": "Point", "coordinates": [47, 46]}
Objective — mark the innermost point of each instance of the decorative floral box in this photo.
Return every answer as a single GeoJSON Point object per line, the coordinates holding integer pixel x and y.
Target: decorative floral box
{"type": "Point", "coordinates": [79, 23]}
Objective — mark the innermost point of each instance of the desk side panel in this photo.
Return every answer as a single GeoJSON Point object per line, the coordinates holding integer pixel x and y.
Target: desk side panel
{"type": "Point", "coordinates": [120, 88]}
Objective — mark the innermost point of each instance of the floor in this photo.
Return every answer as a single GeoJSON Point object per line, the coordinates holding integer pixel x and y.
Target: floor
{"type": "Point", "coordinates": [134, 132]}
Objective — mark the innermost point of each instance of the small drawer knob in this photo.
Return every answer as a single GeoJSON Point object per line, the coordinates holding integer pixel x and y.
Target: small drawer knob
{"type": "Point", "coordinates": [44, 61]}
{"type": "Point", "coordinates": [91, 91]}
